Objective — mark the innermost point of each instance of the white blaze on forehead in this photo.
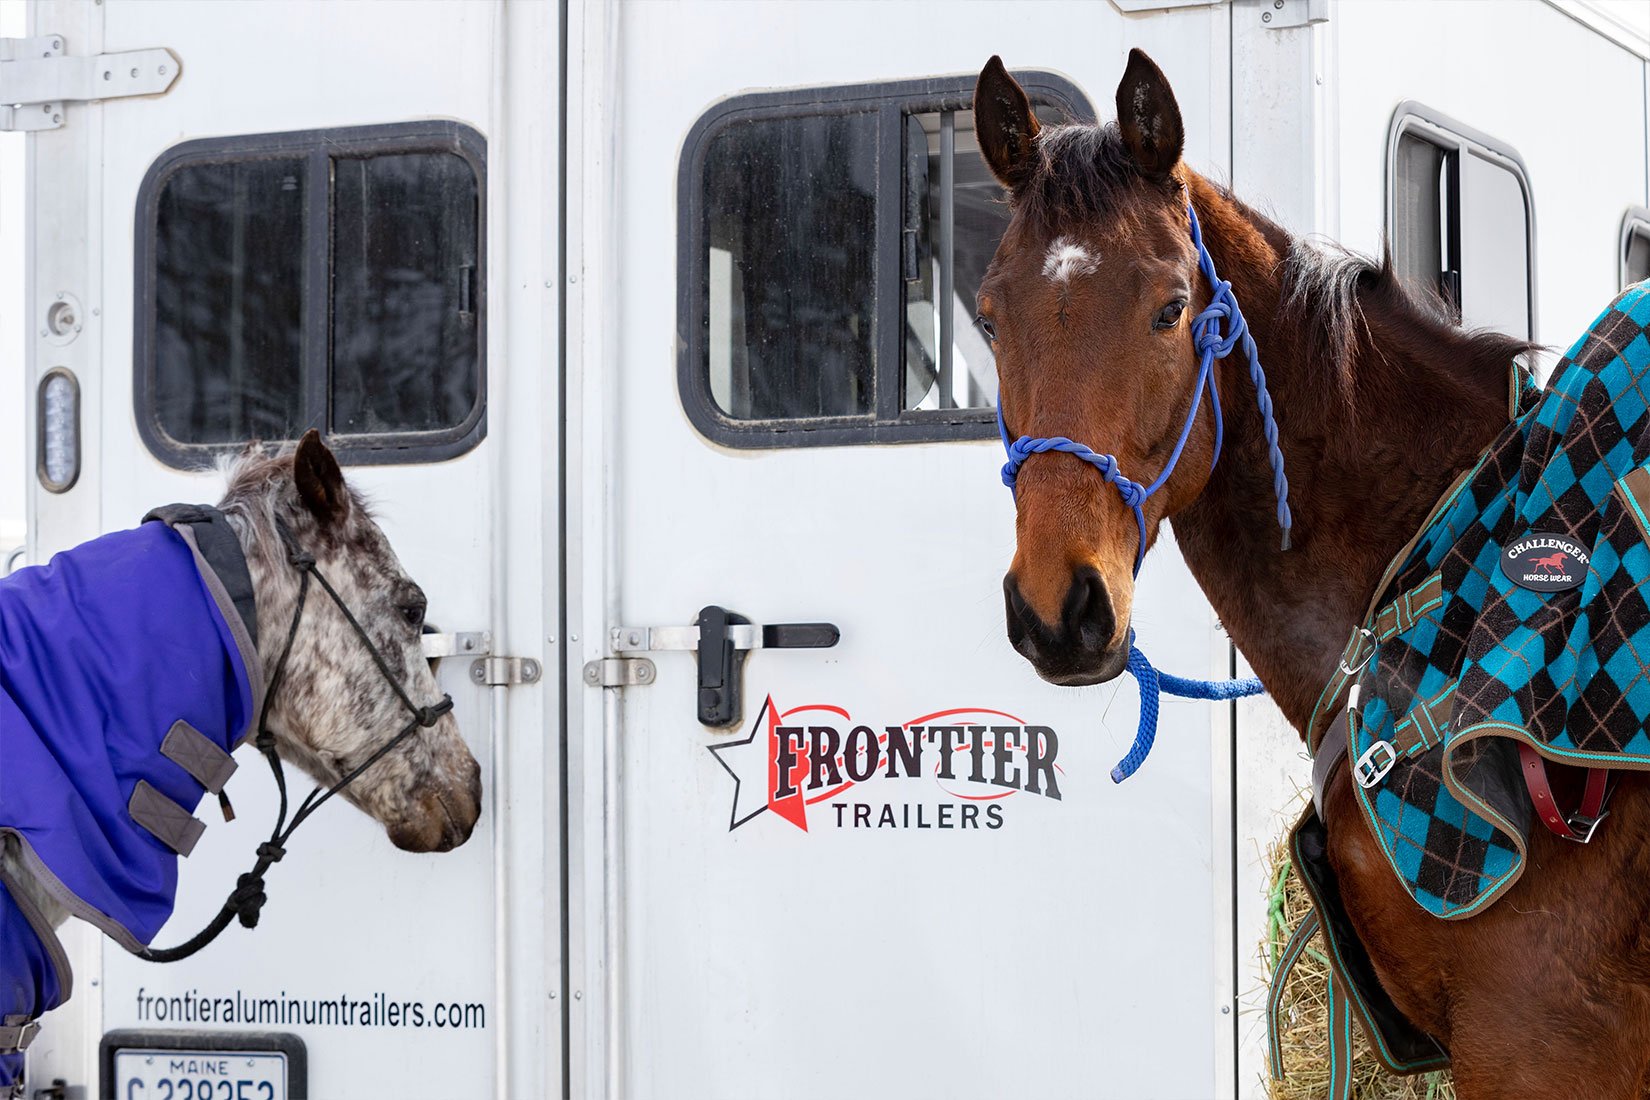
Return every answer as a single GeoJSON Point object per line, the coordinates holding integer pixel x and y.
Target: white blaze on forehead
{"type": "Point", "coordinates": [1067, 259]}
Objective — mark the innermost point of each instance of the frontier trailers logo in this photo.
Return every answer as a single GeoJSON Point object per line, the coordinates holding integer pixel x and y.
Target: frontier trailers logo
{"type": "Point", "coordinates": [953, 769]}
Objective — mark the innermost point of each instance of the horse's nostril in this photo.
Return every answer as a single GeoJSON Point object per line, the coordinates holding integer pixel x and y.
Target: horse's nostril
{"type": "Point", "coordinates": [1088, 609]}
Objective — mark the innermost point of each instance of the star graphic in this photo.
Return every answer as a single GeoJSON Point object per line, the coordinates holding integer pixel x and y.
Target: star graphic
{"type": "Point", "coordinates": [747, 762]}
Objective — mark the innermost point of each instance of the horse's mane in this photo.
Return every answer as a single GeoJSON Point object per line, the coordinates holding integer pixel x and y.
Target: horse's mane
{"type": "Point", "coordinates": [1337, 299]}
{"type": "Point", "coordinates": [259, 491]}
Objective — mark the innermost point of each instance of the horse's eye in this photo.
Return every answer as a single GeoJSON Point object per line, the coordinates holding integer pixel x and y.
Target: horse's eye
{"type": "Point", "coordinates": [987, 327]}
{"type": "Point", "coordinates": [1169, 315]}
{"type": "Point", "coordinates": [413, 613]}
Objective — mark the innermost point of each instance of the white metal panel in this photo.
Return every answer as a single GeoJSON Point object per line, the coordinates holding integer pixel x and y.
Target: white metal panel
{"type": "Point", "coordinates": [1569, 100]}
{"type": "Point", "coordinates": [1083, 947]}
{"type": "Point", "coordinates": [351, 918]}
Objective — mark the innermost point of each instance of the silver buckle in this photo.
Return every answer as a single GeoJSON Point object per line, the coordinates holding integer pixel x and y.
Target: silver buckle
{"type": "Point", "coordinates": [1583, 827]}
{"type": "Point", "coordinates": [1368, 635]}
{"type": "Point", "coordinates": [1375, 762]}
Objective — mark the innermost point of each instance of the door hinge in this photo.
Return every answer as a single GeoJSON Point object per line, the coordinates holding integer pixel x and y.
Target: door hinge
{"type": "Point", "coordinates": [469, 643]}
{"type": "Point", "coordinates": [617, 672]}
{"type": "Point", "coordinates": [1281, 15]}
{"type": "Point", "coordinates": [505, 671]}
{"type": "Point", "coordinates": [37, 78]}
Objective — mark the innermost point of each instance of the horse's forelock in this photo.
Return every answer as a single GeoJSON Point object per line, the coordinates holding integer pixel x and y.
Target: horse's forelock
{"type": "Point", "coordinates": [1083, 172]}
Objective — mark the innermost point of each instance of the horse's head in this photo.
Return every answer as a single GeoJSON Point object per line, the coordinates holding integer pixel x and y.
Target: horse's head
{"type": "Point", "coordinates": [334, 707]}
{"type": "Point", "coordinates": [1088, 304]}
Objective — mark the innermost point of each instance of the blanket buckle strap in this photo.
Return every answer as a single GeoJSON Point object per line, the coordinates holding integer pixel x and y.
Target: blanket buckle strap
{"type": "Point", "coordinates": [1374, 763]}
{"type": "Point", "coordinates": [1363, 644]}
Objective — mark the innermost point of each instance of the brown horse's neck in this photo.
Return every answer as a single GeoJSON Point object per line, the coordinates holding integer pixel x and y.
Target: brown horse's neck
{"type": "Point", "coordinates": [1372, 432]}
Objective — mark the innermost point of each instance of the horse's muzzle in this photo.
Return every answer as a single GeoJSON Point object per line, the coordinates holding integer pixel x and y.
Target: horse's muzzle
{"type": "Point", "coordinates": [446, 815]}
{"type": "Point", "coordinates": [1084, 647]}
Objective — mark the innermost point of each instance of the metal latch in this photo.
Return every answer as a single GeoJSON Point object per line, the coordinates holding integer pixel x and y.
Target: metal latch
{"type": "Point", "coordinates": [1282, 14]}
{"type": "Point", "coordinates": [37, 78]}
{"type": "Point", "coordinates": [721, 639]}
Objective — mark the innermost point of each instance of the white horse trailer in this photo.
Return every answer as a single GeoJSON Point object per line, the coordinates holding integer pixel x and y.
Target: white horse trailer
{"type": "Point", "coordinates": [631, 314]}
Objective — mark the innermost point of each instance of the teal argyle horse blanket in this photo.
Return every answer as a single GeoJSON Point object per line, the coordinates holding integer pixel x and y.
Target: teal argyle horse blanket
{"type": "Point", "coordinates": [1519, 613]}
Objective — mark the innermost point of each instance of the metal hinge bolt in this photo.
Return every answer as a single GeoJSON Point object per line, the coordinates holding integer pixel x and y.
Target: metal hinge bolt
{"type": "Point", "coordinates": [505, 671]}
{"type": "Point", "coordinates": [620, 672]}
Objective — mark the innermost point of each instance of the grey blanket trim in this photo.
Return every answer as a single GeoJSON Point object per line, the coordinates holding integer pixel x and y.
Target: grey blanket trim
{"type": "Point", "coordinates": [237, 628]}
{"type": "Point", "coordinates": [67, 898]}
{"type": "Point", "coordinates": [42, 928]}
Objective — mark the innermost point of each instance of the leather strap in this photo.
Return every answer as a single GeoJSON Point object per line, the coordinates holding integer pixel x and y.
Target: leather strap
{"type": "Point", "coordinates": [1578, 826]}
{"type": "Point", "coordinates": [1331, 751]}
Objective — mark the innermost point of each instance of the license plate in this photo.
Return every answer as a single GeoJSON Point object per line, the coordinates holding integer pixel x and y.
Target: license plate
{"type": "Point", "coordinates": [200, 1075]}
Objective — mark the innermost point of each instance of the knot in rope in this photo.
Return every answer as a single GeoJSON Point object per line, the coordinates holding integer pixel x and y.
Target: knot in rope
{"type": "Point", "coordinates": [271, 852]}
{"type": "Point", "coordinates": [248, 899]}
{"type": "Point", "coordinates": [429, 716]}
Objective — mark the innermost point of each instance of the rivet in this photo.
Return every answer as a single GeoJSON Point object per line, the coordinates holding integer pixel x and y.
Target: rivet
{"type": "Point", "coordinates": [574, 637]}
{"type": "Point", "coordinates": [77, 328]}
{"type": "Point", "coordinates": [572, 278]}
{"type": "Point", "coordinates": [162, 70]}
{"type": "Point", "coordinates": [1278, 4]}
{"type": "Point", "coordinates": [96, 312]}
{"type": "Point", "coordinates": [1225, 1010]}
{"type": "Point", "coordinates": [1265, 17]}
{"type": "Point", "coordinates": [107, 75]}
{"type": "Point", "coordinates": [578, 995]}
{"type": "Point", "coordinates": [134, 73]}
{"type": "Point", "coordinates": [57, 118]}
{"type": "Point", "coordinates": [60, 295]}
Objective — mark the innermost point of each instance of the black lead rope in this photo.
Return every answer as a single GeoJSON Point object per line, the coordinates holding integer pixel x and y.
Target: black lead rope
{"type": "Point", "coordinates": [248, 897]}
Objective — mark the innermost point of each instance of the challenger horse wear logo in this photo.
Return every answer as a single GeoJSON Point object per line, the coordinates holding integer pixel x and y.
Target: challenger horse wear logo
{"type": "Point", "coordinates": [1545, 563]}
{"type": "Point", "coordinates": [952, 769]}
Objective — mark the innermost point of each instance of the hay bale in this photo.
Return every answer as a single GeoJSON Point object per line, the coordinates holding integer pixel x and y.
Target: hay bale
{"type": "Point", "coordinates": [1304, 1015]}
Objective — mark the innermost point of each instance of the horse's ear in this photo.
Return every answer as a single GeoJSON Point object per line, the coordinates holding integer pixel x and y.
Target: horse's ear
{"type": "Point", "coordinates": [320, 481]}
{"type": "Point", "coordinates": [1149, 117]}
{"type": "Point", "coordinates": [1004, 125]}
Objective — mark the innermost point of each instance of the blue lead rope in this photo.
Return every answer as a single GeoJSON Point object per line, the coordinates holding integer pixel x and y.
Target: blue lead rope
{"type": "Point", "coordinates": [1211, 344]}
{"type": "Point", "coordinates": [1151, 682]}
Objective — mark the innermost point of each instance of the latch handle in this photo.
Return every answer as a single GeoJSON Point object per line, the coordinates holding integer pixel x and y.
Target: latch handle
{"type": "Point", "coordinates": [800, 636]}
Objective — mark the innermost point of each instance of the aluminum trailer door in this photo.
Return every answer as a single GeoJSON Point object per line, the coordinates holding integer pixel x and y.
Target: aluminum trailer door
{"type": "Point", "coordinates": [938, 927]}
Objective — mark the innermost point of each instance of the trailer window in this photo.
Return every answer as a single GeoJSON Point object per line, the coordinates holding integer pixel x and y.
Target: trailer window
{"type": "Point", "coordinates": [1635, 246]}
{"type": "Point", "coordinates": [1460, 219]}
{"type": "Point", "coordinates": [329, 279]}
{"type": "Point", "coordinates": [832, 244]}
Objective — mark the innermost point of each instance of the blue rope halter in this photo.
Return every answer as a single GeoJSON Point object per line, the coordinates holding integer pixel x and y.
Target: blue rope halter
{"type": "Point", "coordinates": [1211, 345]}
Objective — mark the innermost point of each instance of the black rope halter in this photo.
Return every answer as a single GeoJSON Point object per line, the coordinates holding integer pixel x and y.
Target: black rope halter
{"type": "Point", "coordinates": [248, 897]}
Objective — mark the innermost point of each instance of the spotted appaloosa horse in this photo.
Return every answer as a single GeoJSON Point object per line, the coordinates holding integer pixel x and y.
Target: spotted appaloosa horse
{"type": "Point", "coordinates": [1382, 400]}
{"type": "Point", "coordinates": [335, 707]}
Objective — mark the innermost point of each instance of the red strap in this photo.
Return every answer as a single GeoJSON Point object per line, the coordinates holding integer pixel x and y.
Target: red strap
{"type": "Point", "coordinates": [1587, 815]}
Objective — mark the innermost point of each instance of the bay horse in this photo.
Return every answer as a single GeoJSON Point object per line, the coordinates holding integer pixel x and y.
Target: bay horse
{"type": "Point", "coordinates": [285, 614]}
{"type": "Point", "coordinates": [1381, 401]}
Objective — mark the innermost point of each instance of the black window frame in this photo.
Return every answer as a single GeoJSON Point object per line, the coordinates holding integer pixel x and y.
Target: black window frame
{"type": "Point", "coordinates": [1458, 138]}
{"type": "Point", "coordinates": [887, 422]}
{"type": "Point", "coordinates": [1634, 223]}
{"type": "Point", "coordinates": [318, 148]}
